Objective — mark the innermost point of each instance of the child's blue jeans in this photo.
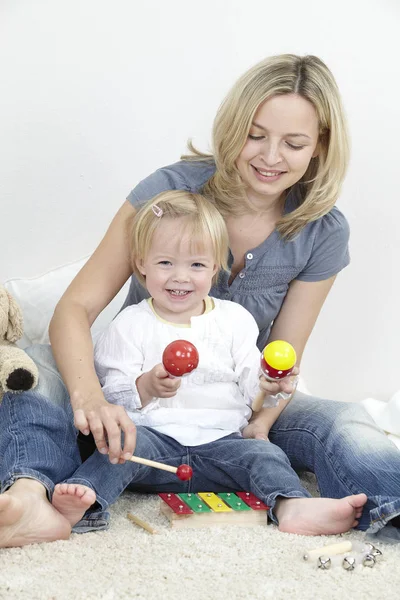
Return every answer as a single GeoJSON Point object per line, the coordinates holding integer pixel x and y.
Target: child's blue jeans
{"type": "Point", "coordinates": [337, 441]}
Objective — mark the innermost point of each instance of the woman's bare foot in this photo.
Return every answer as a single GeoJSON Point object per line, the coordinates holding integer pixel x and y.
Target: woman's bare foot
{"type": "Point", "coordinates": [72, 500]}
{"type": "Point", "coordinates": [319, 516]}
{"type": "Point", "coordinates": [27, 517]}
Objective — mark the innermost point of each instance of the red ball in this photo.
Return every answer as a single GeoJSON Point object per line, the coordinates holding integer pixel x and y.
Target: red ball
{"type": "Point", "coordinates": [180, 357]}
{"type": "Point", "coordinates": [184, 472]}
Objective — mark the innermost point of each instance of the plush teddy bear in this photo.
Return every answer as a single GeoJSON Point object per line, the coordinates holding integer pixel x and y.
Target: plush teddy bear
{"type": "Point", "coordinates": [18, 372]}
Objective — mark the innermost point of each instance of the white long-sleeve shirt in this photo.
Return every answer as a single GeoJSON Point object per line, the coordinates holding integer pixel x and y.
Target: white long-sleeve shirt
{"type": "Point", "coordinates": [213, 400]}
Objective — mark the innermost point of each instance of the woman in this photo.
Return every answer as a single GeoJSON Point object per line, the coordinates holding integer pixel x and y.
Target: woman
{"type": "Point", "coordinates": [279, 158]}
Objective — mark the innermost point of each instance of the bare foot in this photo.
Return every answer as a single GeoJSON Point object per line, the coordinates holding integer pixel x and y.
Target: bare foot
{"type": "Point", "coordinates": [319, 516]}
{"type": "Point", "coordinates": [72, 500]}
{"type": "Point", "coordinates": [27, 517]}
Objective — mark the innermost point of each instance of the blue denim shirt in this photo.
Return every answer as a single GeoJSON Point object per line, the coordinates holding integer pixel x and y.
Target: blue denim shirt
{"type": "Point", "coordinates": [318, 252]}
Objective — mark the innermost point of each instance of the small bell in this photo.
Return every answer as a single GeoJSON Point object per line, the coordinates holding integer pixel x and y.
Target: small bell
{"type": "Point", "coordinates": [368, 561]}
{"type": "Point", "coordinates": [376, 553]}
{"type": "Point", "coordinates": [349, 563]}
{"type": "Point", "coordinates": [324, 563]}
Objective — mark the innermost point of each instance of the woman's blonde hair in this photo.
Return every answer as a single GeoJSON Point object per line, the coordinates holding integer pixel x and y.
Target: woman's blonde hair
{"type": "Point", "coordinates": [318, 189]}
{"type": "Point", "coordinates": [204, 225]}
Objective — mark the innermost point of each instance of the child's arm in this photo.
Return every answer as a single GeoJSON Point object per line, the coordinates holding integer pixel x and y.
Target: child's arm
{"type": "Point", "coordinates": [247, 366]}
{"type": "Point", "coordinates": [262, 421]}
{"type": "Point", "coordinates": [119, 359]}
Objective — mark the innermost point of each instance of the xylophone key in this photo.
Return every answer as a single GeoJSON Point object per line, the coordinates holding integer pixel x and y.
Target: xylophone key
{"type": "Point", "coordinates": [195, 503]}
{"type": "Point", "coordinates": [174, 502]}
{"type": "Point", "coordinates": [252, 501]}
{"type": "Point", "coordinates": [214, 502]}
{"type": "Point", "coordinates": [234, 501]}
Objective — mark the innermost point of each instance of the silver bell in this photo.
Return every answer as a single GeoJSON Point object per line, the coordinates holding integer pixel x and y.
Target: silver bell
{"type": "Point", "coordinates": [368, 547]}
{"type": "Point", "coordinates": [376, 553]}
{"type": "Point", "coordinates": [349, 563]}
{"type": "Point", "coordinates": [324, 563]}
{"type": "Point", "coordinates": [368, 561]}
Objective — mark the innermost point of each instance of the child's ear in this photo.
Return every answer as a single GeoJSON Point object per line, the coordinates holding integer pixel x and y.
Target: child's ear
{"type": "Point", "coordinates": [140, 267]}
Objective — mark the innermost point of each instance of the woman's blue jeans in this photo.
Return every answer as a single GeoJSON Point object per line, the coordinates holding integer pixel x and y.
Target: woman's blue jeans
{"type": "Point", "coordinates": [337, 441]}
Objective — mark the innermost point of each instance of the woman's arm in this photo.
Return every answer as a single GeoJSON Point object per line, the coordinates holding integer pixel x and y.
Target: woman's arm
{"type": "Point", "coordinates": [299, 313]}
{"type": "Point", "coordinates": [89, 293]}
{"type": "Point", "coordinates": [294, 324]}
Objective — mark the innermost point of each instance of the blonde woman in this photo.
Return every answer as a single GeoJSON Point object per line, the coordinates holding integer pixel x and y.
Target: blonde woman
{"type": "Point", "coordinates": [278, 160]}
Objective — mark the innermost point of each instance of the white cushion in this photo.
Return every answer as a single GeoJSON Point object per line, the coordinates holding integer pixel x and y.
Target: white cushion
{"type": "Point", "coordinates": [38, 296]}
{"type": "Point", "coordinates": [386, 415]}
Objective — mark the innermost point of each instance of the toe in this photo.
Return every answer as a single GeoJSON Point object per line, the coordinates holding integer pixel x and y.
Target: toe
{"type": "Point", "coordinates": [80, 491]}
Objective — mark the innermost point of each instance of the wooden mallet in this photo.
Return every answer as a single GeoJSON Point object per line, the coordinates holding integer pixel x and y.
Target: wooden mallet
{"type": "Point", "coordinates": [183, 472]}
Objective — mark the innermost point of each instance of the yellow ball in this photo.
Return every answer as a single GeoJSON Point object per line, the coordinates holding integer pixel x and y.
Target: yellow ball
{"type": "Point", "coordinates": [280, 355]}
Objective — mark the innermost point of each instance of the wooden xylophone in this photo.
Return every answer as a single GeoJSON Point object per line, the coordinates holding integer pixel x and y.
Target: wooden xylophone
{"type": "Point", "coordinates": [205, 509]}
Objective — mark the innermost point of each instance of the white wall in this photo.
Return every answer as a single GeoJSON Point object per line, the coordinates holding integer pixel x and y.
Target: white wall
{"type": "Point", "coordinates": [95, 94]}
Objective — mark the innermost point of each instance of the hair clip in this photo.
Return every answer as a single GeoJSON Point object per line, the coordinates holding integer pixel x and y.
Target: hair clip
{"type": "Point", "coordinates": [157, 210]}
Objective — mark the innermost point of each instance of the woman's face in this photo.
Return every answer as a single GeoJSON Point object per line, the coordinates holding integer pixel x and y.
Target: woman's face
{"type": "Point", "coordinates": [282, 140]}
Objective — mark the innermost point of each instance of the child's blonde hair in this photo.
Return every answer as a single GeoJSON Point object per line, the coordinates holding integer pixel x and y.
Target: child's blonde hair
{"type": "Point", "coordinates": [318, 189]}
{"type": "Point", "coordinates": [203, 222]}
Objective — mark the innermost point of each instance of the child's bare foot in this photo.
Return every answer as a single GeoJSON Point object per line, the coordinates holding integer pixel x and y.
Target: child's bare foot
{"type": "Point", "coordinates": [27, 517]}
{"type": "Point", "coordinates": [319, 516]}
{"type": "Point", "coordinates": [72, 500]}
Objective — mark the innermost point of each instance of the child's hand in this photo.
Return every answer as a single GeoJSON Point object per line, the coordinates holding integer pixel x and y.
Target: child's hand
{"type": "Point", "coordinates": [157, 383]}
{"type": "Point", "coordinates": [287, 385]}
{"type": "Point", "coordinates": [256, 430]}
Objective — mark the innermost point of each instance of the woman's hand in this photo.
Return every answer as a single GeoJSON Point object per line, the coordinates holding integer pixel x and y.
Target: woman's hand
{"type": "Point", "coordinates": [157, 383]}
{"type": "Point", "coordinates": [106, 422]}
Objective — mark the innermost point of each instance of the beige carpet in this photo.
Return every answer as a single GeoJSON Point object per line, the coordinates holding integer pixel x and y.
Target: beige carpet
{"type": "Point", "coordinates": [230, 562]}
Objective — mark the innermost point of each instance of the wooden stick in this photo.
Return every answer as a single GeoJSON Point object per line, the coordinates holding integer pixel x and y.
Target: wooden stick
{"type": "Point", "coordinates": [141, 523]}
{"type": "Point", "coordinates": [153, 463]}
{"type": "Point", "coordinates": [183, 472]}
{"type": "Point", "coordinates": [339, 548]}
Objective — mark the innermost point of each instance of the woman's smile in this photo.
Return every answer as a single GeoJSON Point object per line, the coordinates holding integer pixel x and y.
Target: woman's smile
{"type": "Point", "coordinates": [267, 175]}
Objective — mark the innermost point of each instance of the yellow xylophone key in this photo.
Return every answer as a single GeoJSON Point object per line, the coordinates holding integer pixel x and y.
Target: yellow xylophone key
{"type": "Point", "coordinates": [214, 502]}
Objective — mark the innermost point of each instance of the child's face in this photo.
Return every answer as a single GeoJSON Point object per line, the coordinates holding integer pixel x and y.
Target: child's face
{"type": "Point", "coordinates": [178, 272]}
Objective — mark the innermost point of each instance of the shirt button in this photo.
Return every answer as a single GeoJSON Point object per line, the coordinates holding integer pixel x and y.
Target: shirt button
{"type": "Point", "coordinates": [241, 275]}
{"type": "Point", "coordinates": [249, 256]}
{"type": "Point", "coordinates": [227, 295]}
